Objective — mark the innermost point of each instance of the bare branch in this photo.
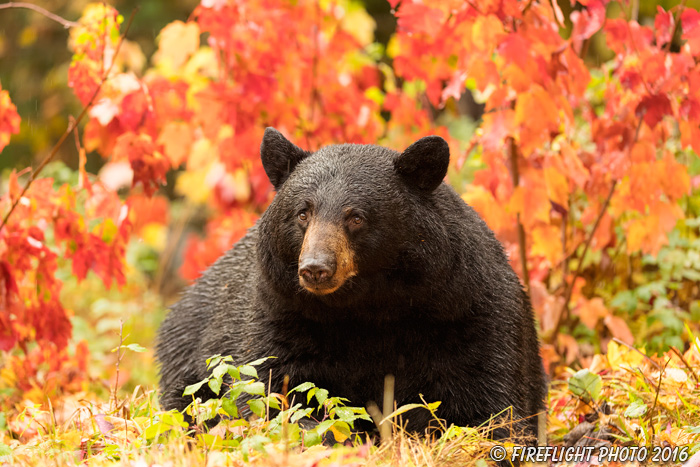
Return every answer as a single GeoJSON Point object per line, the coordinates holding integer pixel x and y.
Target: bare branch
{"type": "Point", "coordinates": [71, 127]}
{"type": "Point", "coordinates": [52, 16]}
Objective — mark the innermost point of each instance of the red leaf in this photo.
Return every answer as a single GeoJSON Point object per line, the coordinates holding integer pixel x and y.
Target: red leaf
{"type": "Point", "coordinates": [690, 19]}
{"type": "Point", "coordinates": [589, 21]}
{"type": "Point", "coordinates": [148, 164]}
{"type": "Point", "coordinates": [664, 25]}
{"type": "Point", "coordinates": [419, 18]}
{"type": "Point", "coordinates": [652, 109]}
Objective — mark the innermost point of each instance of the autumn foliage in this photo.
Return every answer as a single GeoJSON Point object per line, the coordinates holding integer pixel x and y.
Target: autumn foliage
{"type": "Point", "coordinates": [574, 165]}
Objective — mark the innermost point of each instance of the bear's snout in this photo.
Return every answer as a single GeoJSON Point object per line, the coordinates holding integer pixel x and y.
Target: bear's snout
{"type": "Point", "coordinates": [326, 260]}
{"type": "Point", "coordinates": [317, 270]}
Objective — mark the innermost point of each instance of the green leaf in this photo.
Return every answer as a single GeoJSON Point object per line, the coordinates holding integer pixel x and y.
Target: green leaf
{"type": "Point", "coordinates": [324, 426]}
{"type": "Point", "coordinates": [229, 407]}
{"type": "Point", "coordinates": [220, 371]}
{"type": "Point", "coordinates": [274, 402]}
{"type": "Point", "coordinates": [321, 396]}
{"type": "Point", "coordinates": [636, 409]}
{"type": "Point", "coordinates": [585, 384]}
{"type": "Point", "coordinates": [136, 347]}
{"type": "Point", "coordinates": [213, 360]}
{"type": "Point", "coordinates": [255, 389]}
{"type": "Point", "coordinates": [259, 361]}
{"type": "Point", "coordinates": [312, 438]}
{"type": "Point", "coordinates": [299, 414]}
{"type": "Point", "coordinates": [344, 413]}
{"type": "Point", "coordinates": [215, 385]}
{"type": "Point", "coordinates": [403, 409]}
{"type": "Point", "coordinates": [248, 370]}
{"type": "Point", "coordinates": [257, 406]}
{"type": "Point", "coordinates": [192, 388]}
{"type": "Point", "coordinates": [234, 373]}
{"type": "Point", "coordinates": [303, 387]}
{"type": "Point", "coordinates": [5, 450]}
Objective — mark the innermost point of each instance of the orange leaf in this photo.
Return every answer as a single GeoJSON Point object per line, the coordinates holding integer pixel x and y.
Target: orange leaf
{"type": "Point", "coordinates": [546, 241]}
{"type": "Point", "coordinates": [532, 203]}
{"type": "Point", "coordinates": [9, 119]}
{"type": "Point", "coordinates": [176, 138]}
{"type": "Point", "coordinates": [496, 127]}
{"type": "Point", "coordinates": [538, 115]}
{"type": "Point", "coordinates": [590, 311]}
{"type": "Point", "coordinates": [488, 208]}
{"type": "Point", "coordinates": [619, 329]}
{"type": "Point", "coordinates": [557, 186]}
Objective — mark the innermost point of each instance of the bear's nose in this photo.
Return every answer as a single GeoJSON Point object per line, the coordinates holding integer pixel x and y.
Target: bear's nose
{"type": "Point", "coordinates": [314, 271]}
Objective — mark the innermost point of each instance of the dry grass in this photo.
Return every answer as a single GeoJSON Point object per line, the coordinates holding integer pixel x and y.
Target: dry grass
{"type": "Point", "coordinates": [643, 401]}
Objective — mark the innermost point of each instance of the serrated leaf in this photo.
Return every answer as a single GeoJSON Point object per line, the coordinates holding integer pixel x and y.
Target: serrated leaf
{"type": "Point", "coordinates": [213, 360]}
{"type": "Point", "coordinates": [311, 438]}
{"type": "Point", "coordinates": [321, 396]}
{"type": "Point", "coordinates": [220, 371]}
{"type": "Point", "coordinates": [585, 384]}
{"type": "Point", "coordinates": [299, 414]}
{"type": "Point", "coordinates": [248, 371]}
{"type": "Point", "coordinates": [257, 406]}
{"type": "Point", "coordinates": [255, 389]}
{"type": "Point", "coordinates": [303, 387]}
{"type": "Point", "coordinates": [259, 361]}
{"type": "Point", "coordinates": [215, 385]}
{"type": "Point", "coordinates": [234, 373]}
{"type": "Point", "coordinates": [229, 407]}
{"type": "Point", "coordinates": [193, 388]}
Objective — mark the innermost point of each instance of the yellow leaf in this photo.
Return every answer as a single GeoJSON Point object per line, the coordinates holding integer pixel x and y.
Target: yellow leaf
{"type": "Point", "coordinates": [557, 186]}
{"type": "Point", "coordinates": [359, 23]}
{"type": "Point", "coordinates": [339, 437]}
{"type": "Point", "coordinates": [155, 235]}
{"type": "Point", "coordinates": [192, 184]}
{"type": "Point", "coordinates": [546, 241]}
{"type": "Point", "coordinates": [620, 356]}
{"type": "Point", "coordinates": [177, 42]}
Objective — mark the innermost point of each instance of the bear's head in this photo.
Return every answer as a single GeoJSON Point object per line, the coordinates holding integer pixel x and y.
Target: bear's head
{"type": "Point", "coordinates": [350, 220]}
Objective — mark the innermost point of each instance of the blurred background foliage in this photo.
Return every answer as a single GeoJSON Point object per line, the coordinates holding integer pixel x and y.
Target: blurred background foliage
{"type": "Point", "coordinates": [656, 294]}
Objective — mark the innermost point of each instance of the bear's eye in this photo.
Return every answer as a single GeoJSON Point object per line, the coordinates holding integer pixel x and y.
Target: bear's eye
{"type": "Point", "coordinates": [303, 216]}
{"type": "Point", "coordinates": [357, 220]}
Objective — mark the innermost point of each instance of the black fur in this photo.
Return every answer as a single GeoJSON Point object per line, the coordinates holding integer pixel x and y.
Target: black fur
{"type": "Point", "coordinates": [435, 301]}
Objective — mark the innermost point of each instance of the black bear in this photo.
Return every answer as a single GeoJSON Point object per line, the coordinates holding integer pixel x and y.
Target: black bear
{"type": "Point", "coordinates": [365, 264]}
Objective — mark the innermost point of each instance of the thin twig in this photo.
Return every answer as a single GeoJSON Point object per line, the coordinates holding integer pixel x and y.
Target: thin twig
{"type": "Point", "coordinates": [687, 365]}
{"type": "Point", "coordinates": [30, 6]}
{"type": "Point", "coordinates": [70, 128]}
{"type": "Point", "coordinates": [579, 268]}
{"type": "Point", "coordinates": [656, 400]}
{"type": "Point", "coordinates": [522, 246]}
{"type": "Point", "coordinates": [676, 17]}
{"type": "Point", "coordinates": [119, 358]}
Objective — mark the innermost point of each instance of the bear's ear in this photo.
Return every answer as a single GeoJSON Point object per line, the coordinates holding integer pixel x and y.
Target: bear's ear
{"type": "Point", "coordinates": [424, 163]}
{"type": "Point", "coordinates": [279, 156]}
